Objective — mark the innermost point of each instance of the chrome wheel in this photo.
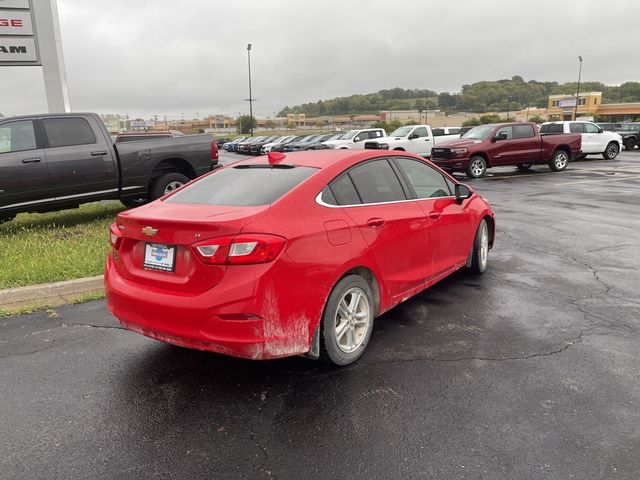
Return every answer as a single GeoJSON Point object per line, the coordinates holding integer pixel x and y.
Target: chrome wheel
{"type": "Point", "coordinates": [172, 186]}
{"type": "Point", "coordinates": [484, 245]}
{"type": "Point", "coordinates": [612, 151]}
{"type": "Point", "coordinates": [560, 160]}
{"type": "Point", "coordinates": [352, 320]}
{"type": "Point", "coordinates": [477, 167]}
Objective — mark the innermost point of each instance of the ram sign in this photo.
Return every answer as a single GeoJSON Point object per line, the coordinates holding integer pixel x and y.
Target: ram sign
{"type": "Point", "coordinates": [18, 44]}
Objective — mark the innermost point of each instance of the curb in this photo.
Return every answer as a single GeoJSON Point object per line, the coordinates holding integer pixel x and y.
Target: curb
{"type": "Point", "coordinates": [50, 294]}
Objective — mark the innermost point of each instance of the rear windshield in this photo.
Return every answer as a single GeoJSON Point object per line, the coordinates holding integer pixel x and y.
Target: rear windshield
{"type": "Point", "coordinates": [243, 186]}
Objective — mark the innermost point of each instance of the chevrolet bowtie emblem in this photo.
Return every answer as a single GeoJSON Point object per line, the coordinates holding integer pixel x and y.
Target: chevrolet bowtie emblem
{"type": "Point", "coordinates": [149, 231]}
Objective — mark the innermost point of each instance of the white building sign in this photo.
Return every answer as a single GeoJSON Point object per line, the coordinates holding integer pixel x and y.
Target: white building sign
{"type": "Point", "coordinates": [15, 22]}
{"type": "Point", "coordinates": [18, 43]}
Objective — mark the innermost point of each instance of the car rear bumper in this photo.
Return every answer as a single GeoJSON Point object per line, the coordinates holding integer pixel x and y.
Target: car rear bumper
{"type": "Point", "coordinates": [237, 317]}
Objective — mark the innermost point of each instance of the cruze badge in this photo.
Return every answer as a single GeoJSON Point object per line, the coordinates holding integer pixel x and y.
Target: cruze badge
{"type": "Point", "coordinates": [149, 231]}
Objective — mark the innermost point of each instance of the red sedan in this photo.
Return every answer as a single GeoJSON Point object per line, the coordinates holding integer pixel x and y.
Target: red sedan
{"type": "Point", "coordinates": [296, 254]}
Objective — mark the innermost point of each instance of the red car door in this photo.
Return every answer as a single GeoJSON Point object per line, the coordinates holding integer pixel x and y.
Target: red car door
{"type": "Point", "coordinates": [394, 229]}
{"type": "Point", "coordinates": [528, 143]}
{"type": "Point", "coordinates": [450, 229]}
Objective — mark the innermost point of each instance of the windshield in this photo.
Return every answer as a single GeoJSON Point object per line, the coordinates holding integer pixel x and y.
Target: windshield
{"type": "Point", "coordinates": [480, 133]}
{"type": "Point", "coordinates": [401, 132]}
{"type": "Point", "coordinates": [630, 127]}
{"type": "Point", "coordinates": [349, 135]}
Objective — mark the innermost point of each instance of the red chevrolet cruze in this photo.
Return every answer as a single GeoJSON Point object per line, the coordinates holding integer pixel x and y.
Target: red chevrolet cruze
{"type": "Point", "coordinates": [296, 254]}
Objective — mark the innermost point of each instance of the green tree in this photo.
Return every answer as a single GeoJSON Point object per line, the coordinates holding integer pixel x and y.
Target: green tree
{"type": "Point", "coordinates": [291, 125]}
{"type": "Point", "coordinates": [537, 119]}
{"type": "Point", "coordinates": [246, 123]}
{"type": "Point", "coordinates": [472, 122]}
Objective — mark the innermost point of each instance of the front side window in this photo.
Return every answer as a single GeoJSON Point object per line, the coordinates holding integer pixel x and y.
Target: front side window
{"type": "Point", "coordinates": [65, 132]}
{"type": "Point", "coordinates": [426, 181]}
{"type": "Point", "coordinates": [591, 128]}
{"type": "Point", "coordinates": [508, 130]}
{"type": "Point", "coordinates": [421, 131]}
{"type": "Point", "coordinates": [376, 182]}
{"type": "Point", "coordinates": [17, 136]}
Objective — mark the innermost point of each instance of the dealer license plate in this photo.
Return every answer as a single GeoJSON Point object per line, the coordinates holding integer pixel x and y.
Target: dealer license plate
{"type": "Point", "coordinates": [159, 257]}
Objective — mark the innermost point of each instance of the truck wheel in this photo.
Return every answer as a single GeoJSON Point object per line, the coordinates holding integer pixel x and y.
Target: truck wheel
{"type": "Point", "coordinates": [523, 167]}
{"type": "Point", "coordinates": [347, 321]}
{"type": "Point", "coordinates": [630, 144]}
{"type": "Point", "coordinates": [611, 152]}
{"type": "Point", "coordinates": [559, 161]}
{"type": "Point", "coordinates": [477, 167]}
{"type": "Point", "coordinates": [133, 202]}
{"type": "Point", "coordinates": [167, 183]}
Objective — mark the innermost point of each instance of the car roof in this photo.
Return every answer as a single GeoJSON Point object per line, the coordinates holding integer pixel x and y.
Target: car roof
{"type": "Point", "coordinates": [323, 159]}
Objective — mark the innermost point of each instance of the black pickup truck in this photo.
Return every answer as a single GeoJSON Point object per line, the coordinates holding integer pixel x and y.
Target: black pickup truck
{"type": "Point", "coordinates": [57, 161]}
{"type": "Point", "coordinates": [630, 133]}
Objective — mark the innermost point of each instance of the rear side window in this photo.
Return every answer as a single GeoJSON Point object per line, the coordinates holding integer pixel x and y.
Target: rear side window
{"type": "Point", "coordinates": [344, 192]}
{"type": "Point", "coordinates": [65, 132]}
{"type": "Point", "coordinates": [17, 136]}
{"type": "Point", "coordinates": [551, 128]}
{"type": "Point", "coordinates": [243, 186]}
{"type": "Point", "coordinates": [376, 182]}
{"type": "Point", "coordinates": [438, 132]}
{"type": "Point", "coordinates": [524, 131]}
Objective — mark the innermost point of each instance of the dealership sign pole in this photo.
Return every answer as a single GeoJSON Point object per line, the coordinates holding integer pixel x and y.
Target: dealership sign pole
{"type": "Point", "coordinates": [30, 36]}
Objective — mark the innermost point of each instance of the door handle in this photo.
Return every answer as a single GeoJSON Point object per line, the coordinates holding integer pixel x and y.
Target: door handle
{"type": "Point", "coordinates": [435, 215]}
{"type": "Point", "coordinates": [31, 160]}
{"type": "Point", "coordinates": [375, 222]}
{"type": "Point", "coordinates": [99, 153]}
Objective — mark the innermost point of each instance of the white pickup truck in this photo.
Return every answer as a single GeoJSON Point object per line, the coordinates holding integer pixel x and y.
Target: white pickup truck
{"type": "Point", "coordinates": [417, 139]}
{"type": "Point", "coordinates": [355, 139]}
{"type": "Point", "coordinates": [595, 140]}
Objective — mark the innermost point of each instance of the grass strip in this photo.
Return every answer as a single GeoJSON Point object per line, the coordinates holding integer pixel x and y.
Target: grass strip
{"type": "Point", "coordinates": [38, 248]}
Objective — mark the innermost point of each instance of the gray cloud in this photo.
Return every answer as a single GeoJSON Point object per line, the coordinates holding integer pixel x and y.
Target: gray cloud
{"type": "Point", "coordinates": [168, 58]}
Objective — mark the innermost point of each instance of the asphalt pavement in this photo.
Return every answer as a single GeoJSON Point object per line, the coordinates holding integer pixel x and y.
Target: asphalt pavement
{"type": "Point", "coordinates": [529, 371]}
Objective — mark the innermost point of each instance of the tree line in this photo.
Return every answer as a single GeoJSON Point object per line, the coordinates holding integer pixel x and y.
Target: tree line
{"type": "Point", "coordinates": [485, 96]}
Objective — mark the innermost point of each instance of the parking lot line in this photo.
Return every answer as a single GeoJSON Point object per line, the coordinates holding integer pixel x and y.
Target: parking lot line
{"type": "Point", "coordinates": [616, 179]}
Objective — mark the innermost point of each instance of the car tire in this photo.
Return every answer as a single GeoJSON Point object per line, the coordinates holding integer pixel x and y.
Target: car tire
{"type": "Point", "coordinates": [477, 167]}
{"type": "Point", "coordinates": [523, 167]}
{"type": "Point", "coordinates": [134, 202]}
{"type": "Point", "coordinates": [167, 183]}
{"type": "Point", "coordinates": [480, 250]}
{"type": "Point", "coordinates": [630, 144]}
{"type": "Point", "coordinates": [347, 321]}
{"type": "Point", "coordinates": [559, 161]}
{"type": "Point", "coordinates": [611, 151]}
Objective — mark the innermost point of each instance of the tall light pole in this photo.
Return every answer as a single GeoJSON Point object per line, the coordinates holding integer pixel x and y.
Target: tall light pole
{"type": "Point", "coordinates": [250, 99]}
{"type": "Point", "coordinates": [575, 111]}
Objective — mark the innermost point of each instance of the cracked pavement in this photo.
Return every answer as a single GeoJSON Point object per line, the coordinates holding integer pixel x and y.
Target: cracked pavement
{"type": "Point", "coordinates": [529, 371]}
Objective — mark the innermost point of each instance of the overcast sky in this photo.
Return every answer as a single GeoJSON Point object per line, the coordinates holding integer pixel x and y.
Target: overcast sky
{"type": "Point", "coordinates": [147, 57]}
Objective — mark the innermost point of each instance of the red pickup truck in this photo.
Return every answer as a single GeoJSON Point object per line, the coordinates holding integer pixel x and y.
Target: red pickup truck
{"type": "Point", "coordinates": [518, 144]}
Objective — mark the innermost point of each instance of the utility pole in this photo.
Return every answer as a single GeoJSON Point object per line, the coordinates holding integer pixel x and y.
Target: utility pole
{"type": "Point", "coordinates": [575, 110]}
{"type": "Point", "coordinates": [250, 99]}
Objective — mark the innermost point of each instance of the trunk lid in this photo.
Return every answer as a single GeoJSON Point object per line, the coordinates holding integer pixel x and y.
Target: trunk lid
{"type": "Point", "coordinates": [147, 229]}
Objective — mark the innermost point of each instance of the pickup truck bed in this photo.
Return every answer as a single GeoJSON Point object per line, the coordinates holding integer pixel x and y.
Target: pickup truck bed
{"type": "Point", "coordinates": [51, 162]}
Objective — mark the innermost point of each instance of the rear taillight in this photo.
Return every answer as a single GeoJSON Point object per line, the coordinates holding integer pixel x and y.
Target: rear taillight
{"type": "Point", "coordinates": [115, 236]}
{"type": "Point", "coordinates": [240, 250]}
{"type": "Point", "coordinates": [214, 151]}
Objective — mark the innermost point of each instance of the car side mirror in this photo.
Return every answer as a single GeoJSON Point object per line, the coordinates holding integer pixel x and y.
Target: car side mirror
{"type": "Point", "coordinates": [357, 139]}
{"type": "Point", "coordinates": [413, 135]}
{"type": "Point", "coordinates": [500, 136]}
{"type": "Point", "coordinates": [462, 192]}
